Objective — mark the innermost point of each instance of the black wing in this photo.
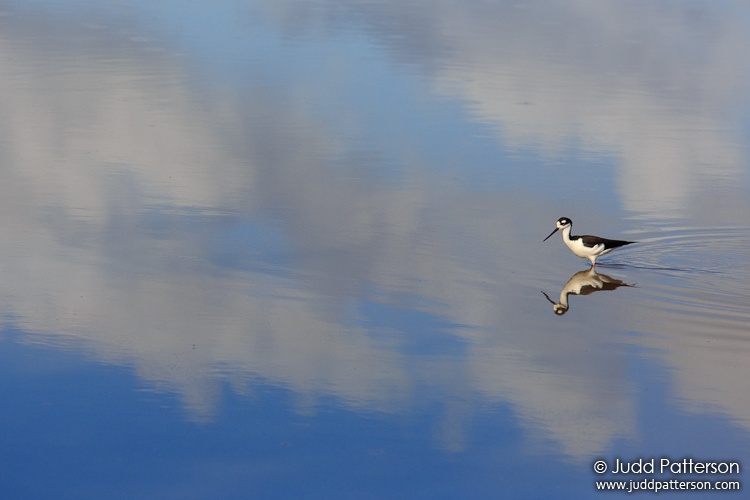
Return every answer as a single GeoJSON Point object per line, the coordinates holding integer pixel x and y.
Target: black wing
{"type": "Point", "coordinates": [592, 241]}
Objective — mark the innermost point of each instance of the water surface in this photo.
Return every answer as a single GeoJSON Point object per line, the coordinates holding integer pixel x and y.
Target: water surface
{"type": "Point", "coordinates": [294, 249]}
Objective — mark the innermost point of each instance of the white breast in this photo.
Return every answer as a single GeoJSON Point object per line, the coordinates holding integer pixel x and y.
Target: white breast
{"type": "Point", "coordinates": [578, 248]}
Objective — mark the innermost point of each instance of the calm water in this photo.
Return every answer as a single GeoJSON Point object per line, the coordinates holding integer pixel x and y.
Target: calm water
{"type": "Point", "coordinates": [293, 249]}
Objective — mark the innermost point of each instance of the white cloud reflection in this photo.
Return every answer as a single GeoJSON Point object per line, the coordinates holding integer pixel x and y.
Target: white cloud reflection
{"type": "Point", "coordinates": [119, 177]}
{"type": "Point", "coordinates": [654, 85]}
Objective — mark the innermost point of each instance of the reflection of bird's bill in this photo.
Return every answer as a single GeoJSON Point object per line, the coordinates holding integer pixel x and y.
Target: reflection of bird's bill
{"type": "Point", "coordinates": [559, 309]}
{"type": "Point", "coordinates": [550, 235]}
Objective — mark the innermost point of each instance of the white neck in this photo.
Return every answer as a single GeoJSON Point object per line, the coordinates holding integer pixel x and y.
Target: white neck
{"type": "Point", "coordinates": [566, 233]}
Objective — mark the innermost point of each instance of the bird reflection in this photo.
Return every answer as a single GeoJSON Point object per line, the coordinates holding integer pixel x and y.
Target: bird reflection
{"type": "Point", "coordinates": [583, 283]}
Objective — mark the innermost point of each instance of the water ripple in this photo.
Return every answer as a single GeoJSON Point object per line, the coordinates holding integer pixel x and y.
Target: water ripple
{"type": "Point", "coordinates": [702, 272]}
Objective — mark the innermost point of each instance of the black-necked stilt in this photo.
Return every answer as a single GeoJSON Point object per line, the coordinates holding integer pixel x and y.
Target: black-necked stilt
{"type": "Point", "coordinates": [583, 283]}
{"type": "Point", "coordinates": [586, 247]}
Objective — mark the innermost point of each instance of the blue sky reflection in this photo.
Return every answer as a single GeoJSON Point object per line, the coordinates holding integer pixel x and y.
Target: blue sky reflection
{"type": "Point", "coordinates": [311, 232]}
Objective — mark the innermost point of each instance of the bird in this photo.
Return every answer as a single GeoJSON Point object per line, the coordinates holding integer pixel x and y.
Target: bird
{"type": "Point", "coordinates": [586, 246]}
{"type": "Point", "coordinates": [583, 283]}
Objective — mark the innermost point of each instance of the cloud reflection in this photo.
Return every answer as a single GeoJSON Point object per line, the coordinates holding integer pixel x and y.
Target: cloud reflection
{"type": "Point", "coordinates": [124, 185]}
{"type": "Point", "coordinates": [653, 86]}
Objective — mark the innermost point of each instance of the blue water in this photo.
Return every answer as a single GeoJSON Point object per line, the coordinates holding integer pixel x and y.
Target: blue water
{"type": "Point", "coordinates": [294, 249]}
